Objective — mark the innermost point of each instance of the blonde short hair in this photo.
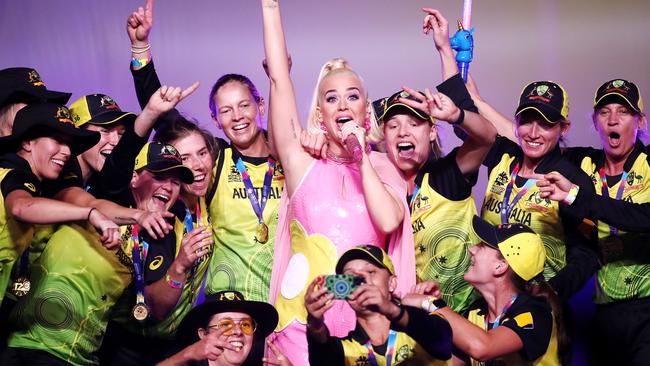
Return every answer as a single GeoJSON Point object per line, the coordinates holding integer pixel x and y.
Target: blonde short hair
{"type": "Point", "coordinates": [331, 67]}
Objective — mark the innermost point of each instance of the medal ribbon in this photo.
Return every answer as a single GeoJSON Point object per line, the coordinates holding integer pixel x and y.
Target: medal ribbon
{"type": "Point", "coordinates": [138, 260]}
{"type": "Point", "coordinates": [497, 321]}
{"type": "Point", "coordinates": [189, 226]}
{"type": "Point", "coordinates": [392, 337]}
{"type": "Point", "coordinates": [605, 191]}
{"type": "Point", "coordinates": [258, 206]}
{"type": "Point", "coordinates": [416, 190]}
{"type": "Point", "coordinates": [506, 208]}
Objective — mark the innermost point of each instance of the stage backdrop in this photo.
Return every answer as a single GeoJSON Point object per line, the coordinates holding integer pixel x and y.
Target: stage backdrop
{"type": "Point", "coordinates": [81, 46]}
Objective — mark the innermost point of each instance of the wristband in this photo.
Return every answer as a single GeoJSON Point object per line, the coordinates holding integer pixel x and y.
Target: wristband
{"type": "Point", "coordinates": [89, 212]}
{"type": "Point", "coordinates": [460, 119]}
{"type": "Point", "coordinates": [432, 304]}
{"type": "Point", "coordinates": [140, 62]}
{"type": "Point", "coordinates": [173, 284]}
{"type": "Point", "coordinates": [571, 197]}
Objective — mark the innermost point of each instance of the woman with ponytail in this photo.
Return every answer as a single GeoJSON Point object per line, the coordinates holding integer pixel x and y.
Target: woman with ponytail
{"type": "Point", "coordinates": [518, 319]}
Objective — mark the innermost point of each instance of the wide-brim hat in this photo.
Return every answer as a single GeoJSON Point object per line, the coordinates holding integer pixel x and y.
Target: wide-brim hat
{"type": "Point", "coordinates": [547, 98]}
{"type": "Point", "coordinates": [157, 157]}
{"type": "Point", "coordinates": [263, 313]}
{"type": "Point", "coordinates": [390, 106]}
{"type": "Point", "coordinates": [24, 84]}
{"type": "Point", "coordinates": [619, 90]}
{"type": "Point", "coordinates": [99, 109]}
{"type": "Point", "coordinates": [370, 253]}
{"type": "Point", "coordinates": [519, 245]}
{"type": "Point", "coordinates": [47, 119]}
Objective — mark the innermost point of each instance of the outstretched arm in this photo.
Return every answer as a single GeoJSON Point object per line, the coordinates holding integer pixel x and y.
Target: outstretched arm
{"type": "Point", "coordinates": [138, 26]}
{"type": "Point", "coordinates": [285, 129]}
{"type": "Point", "coordinates": [504, 126]}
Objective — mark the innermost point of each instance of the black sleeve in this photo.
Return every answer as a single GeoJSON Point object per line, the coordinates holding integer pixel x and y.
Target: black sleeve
{"type": "Point", "coordinates": [146, 83]}
{"type": "Point", "coordinates": [533, 323]}
{"type": "Point", "coordinates": [446, 178]}
{"type": "Point", "coordinates": [160, 255]}
{"type": "Point", "coordinates": [432, 332]}
{"type": "Point", "coordinates": [581, 251]}
{"type": "Point", "coordinates": [623, 215]}
{"type": "Point", "coordinates": [19, 179]}
{"type": "Point", "coordinates": [575, 154]}
{"type": "Point", "coordinates": [325, 354]}
{"type": "Point", "coordinates": [116, 174]}
{"type": "Point", "coordinates": [70, 176]}
{"type": "Point", "coordinates": [455, 89]}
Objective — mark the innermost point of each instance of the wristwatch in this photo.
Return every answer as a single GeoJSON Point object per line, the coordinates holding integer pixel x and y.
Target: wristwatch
{"type": "Point", "coordinates": [431, 304]}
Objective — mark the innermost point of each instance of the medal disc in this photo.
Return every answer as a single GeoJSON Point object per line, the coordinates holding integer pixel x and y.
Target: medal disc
{"type": "Point", "coordinates": [21, 286]}
{"type": "Point", "coordinates": [140, 312]}
{"type": "Point", "coordinates": [262, 233]}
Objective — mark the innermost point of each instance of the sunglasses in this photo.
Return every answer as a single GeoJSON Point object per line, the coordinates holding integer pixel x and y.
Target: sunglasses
{"type": "Point", "coordinates": [247, 325]}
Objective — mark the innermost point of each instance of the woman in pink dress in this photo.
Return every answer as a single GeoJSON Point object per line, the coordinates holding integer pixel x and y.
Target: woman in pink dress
{"type": "Point", "coordinates": [352, 197]}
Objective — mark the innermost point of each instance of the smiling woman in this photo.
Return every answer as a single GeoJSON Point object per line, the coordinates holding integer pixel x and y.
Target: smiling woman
{"type": "Point", "coordinates": [347, 199]}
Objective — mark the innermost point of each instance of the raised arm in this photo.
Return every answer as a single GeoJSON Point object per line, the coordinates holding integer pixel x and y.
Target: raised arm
{"type": "Point", "coordinates": [504, 126]}
{"type": "Point", "coordinates": [285, 129]}
{"type": "Point", "coordinates": [480, 133]}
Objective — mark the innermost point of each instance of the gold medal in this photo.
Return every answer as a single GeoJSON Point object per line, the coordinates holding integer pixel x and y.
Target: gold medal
{"type": "Point", "coordinates": [140, 312]}
{"type": "Point", "coordinates": [262, 233]}
{"type": "Point", "coordinates": [21, 286]}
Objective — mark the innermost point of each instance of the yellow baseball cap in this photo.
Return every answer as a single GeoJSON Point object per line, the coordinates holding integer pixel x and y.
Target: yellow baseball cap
{"type": "Point", "coordinates": [521, 247]}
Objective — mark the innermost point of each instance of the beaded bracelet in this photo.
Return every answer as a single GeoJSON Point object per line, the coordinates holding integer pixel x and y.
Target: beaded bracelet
{"type": "Point", "coordinates": [172, 283]}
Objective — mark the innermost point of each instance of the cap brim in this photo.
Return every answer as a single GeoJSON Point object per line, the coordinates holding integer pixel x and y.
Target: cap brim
{"type": "Point", "coordinates": [35, 95]}
{"type": "Point", "coordinates": [184, 172]}
{"type": "Point", "coordinates": [264, 314]}
{"type": "Point", "coordinates": [485, 231]}
{"type": "Point", "coordinates": [81, 140]}
{"type": "Point", "coordinates": [615, 98]}
{"type": "Point", "coordinates": [110, 117]}
{"type": "Point", "coordinates": [401, 107]}
{"type": "Point", "coordinates": [550, 114]}
{"type": "Point", "coordinates": [358, 253]}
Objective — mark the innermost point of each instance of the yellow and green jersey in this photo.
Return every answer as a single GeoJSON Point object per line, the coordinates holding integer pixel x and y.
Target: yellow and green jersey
{"type": "Point", "coordinates": [441, 216]}
{"type": "Point", "coordinates": [540, 214]}
{"type": "Point", "coordinates": [239, 261]}
{"type": "Point", "coordinates": [625, 273]}
{"type": "Point", "coordinates": [75, 283]}
{"type": "Point", "coordinates": [531, 319]}
{"type": "Point", "coordinates": [15, 236]}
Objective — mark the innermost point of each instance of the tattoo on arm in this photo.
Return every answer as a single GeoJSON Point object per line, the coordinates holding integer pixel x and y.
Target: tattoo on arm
{"type": "Point", "coordinates": [293, 129]}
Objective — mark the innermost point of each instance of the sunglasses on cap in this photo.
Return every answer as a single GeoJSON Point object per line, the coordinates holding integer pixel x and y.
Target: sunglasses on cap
{"type": "Point", "coordinates": [247, 325]}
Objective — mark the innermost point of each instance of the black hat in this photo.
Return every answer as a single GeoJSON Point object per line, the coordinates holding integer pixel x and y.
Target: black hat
{"type": "Point", "coordinates": [619, 90]}
{"type": "Point", "coordinates": [157, 157]}
{"type": "Point", "coordinates": [521, 247]}
{"type": "Point", "coordinates": [263, 313]}
{"type": "Point", "coordinates": [547, 98]}
{"type": "Point", "coordinates": [98, 109]}
{"type": "Point", "coordinates": [48, 119]}
{"type": "Point", "coordinates": [24, 84]}
{"type": "Point", "coordinates": [390, 106]}
{"type": "Point", "coordinates": [370, 253]}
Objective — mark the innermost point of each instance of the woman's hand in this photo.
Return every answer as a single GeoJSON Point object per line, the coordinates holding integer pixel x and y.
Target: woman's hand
{"type": "Point", "coordinates": [139, 24]}
{"type": "Point", "coordinates": [154, 223]}
{"type": "Point", "coordinates": [167, 97]}
{"type": "Point", "coordinates": [352, 128]}
{"type": "Point", "coordinates": [439, 106]}
{"type": "Point", "coordinates": [278, 358]}
{"type": "Point", "coordinates": [110, 232]}
{"type": "Point", "coordinates": [434, 21]}
{"type": "Point", "coordinates": [193, 246]}
{"type": "Point", "coordinates": [421, 291]}
{"type": "Point", "coordinates": [317, 299]}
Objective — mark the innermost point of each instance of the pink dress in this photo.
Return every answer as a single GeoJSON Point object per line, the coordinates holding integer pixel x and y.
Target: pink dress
{"type": "Point", "coordinates": [324, 217]}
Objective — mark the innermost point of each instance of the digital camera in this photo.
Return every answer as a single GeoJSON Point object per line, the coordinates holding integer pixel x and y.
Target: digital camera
{"type": "Point", "coordinates": [342, 285]}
